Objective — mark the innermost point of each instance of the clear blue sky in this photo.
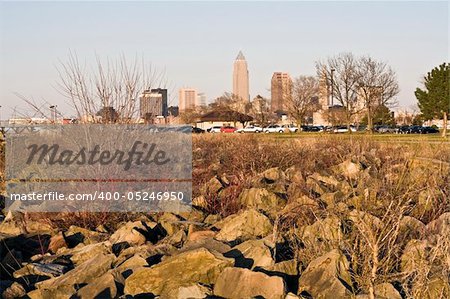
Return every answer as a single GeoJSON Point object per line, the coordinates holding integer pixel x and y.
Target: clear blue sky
{"type": "Point", "coordinates": [195, 43]}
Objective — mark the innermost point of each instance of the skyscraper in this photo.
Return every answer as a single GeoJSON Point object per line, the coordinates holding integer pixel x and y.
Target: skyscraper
{"type": "Point", "coordinates": [151, 104]}
{"type": "Point", "coordinates": [240, 78]}
{"type": "Point", "coordinates": [281, 90]}
{"type": "Point", "coordinates": [163, 93]}
{"type": "Point", "coordinates": [187, 98]}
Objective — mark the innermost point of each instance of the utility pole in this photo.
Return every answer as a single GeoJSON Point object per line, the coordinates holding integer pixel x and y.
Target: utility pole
{"type": "Point", "coordinates": [332, 87]}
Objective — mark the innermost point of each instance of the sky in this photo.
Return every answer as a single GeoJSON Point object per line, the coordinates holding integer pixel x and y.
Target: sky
{"type": "Point", "coordinates": [195, 43]}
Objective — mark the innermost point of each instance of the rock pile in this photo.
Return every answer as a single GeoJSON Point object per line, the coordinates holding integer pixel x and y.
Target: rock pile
{"type": "Point", "coordinates": [291, 239]}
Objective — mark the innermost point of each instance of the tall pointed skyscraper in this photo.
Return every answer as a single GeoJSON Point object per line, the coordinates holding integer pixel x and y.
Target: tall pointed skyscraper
{"type": "Point", "coordinates": [240, 78]}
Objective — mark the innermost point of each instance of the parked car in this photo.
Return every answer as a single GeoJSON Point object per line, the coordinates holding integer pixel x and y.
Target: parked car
{"type": "Point", "coordinates": [250, 129]}
{"type": "Point", "coordinates": [311, 129]}
{"type": "Point", "coordinates": [273, 129]}
{"type": "Point", "coordinates": [385, 129]}
{"type": "Point", "coordinates": [227, 129]}
{"type": "Point", "coordinates": [214, 129]}
{"type": "Point", "coordinates": [290, 127]}
{"type": "Point", "coordinates": [343, 129]}
{"type": "Point", "coordinates": [422, 130]}
{"type": "Point", "coordinates": [404, 130]}
{"type": "Point", "coordinates": [196, 130]}
{"type": "Point", "coordinates": [430, 130]}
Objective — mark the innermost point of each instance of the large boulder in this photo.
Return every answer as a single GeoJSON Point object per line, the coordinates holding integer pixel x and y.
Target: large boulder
{"type": "Point", "coordinates": [328, 229]}
{"type": "Point", "coordinates": [246, 225]}
{"type": "Point", "coordinates": [138, 232]}
{"type": "Point", "coordinates": [348, 169]}
{"type": "Point", "coordinates": [85, 273]}
{"type": "Point", "coordinates": [103, 287]}
{"type": "Point", "coordinates": [327, 277]}
{"type": "Point", "coordinates": [244, 283]}
{"type": "Point", "coordinates": [81, 253]}
{"type": "Point", "coordinates": [195, 266]}
{"type": "Point", "coordinates": [261, 198]}
{"type": "Point", "coordinates": [251, 254]}
{"type": "Point", "coordinates": [321, 184]}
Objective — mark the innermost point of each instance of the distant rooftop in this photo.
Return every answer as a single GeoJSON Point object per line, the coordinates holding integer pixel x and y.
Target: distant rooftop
{"type": "Point", "coordinates": [240, 56]}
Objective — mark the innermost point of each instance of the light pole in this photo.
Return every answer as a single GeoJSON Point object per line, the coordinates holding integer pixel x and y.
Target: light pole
{"type": "Point", "coordinates": [332, 86]}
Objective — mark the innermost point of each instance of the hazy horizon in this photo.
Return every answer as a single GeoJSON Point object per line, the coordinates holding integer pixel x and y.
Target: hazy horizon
{"type": "Point", "coordinates": [195, 43]}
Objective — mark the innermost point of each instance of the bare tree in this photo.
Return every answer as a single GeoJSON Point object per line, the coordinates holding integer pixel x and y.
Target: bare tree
{"type": "Point", "coordinates": [230, 101]}
{"type": "Point", "coordinates": [378, 86]}
{"type": "Point", "coordinates": [341, 73]}
{"type": "Point", "coordinates": [191, 115]}
{"type": "Point", "coordinates": [111, 83]}
{"type": "Point", "coordinates": [302, 101]}
{"type": "Point", "coordinates": [260, 110]}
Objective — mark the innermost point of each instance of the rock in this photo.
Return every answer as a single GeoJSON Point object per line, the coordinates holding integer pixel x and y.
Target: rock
{"type": "Point", "coordinates": [176, 239]}
{"type": "Point", "coordinates": [14, 290]}
{"type": "Point", "coordinates": [195, 266]}
{"type": "Point", "coordinates": [194, 291]}
{"type": "Point", "coordinates": [212, 219]}
{"type": "Point", "coordinates": [134, 233]}
{"type": "Point", "coordinates": [415, 255]}
{"type": "Point", "coordinates": [262, 199]}
{"type": "Point", "coordinates": [119, 247]}
{"type": "Point", "coordinates": [244, 283]}
{"type": "Point", "coordinates": [213, 186]}
{"type": "Point", "coordinates": [411, 228]}
{"type": "Point", "coordinates": [291, 296]}
{"type": "Point", "coordinates": [10, 228]}
{"type": "Point", "coordinates": [321, 184]}
{"type": "Point", "coordinates": [88, 236]}
{"type": "Point", "coordinates": [103, 287]}
{"type": "Point", "coordinates": [436, 287]}
{"type": "Point", "coordinates": [200, 202]}
{"type": "Point", "coordinates": [327, 277]}
{"type": "Point", "coordinates": [382, 291]}
{"type": "Point", "coordinates": [56, 242]}
{"type": "Point", "coordinates": [288, 270]}
{"type": "Point", "coordinates": [125, 269]}
{"type": "Point", "coordinates": [348, 169]}
{"type": "Point", "coordinates": [251, 254]}
{"type": "Point", "coordinates": [365, 219]}
{"type": "Point", "coordinates": [294, 175]}
{"type": "Point", "coordinates": [273, 174]}
{"type": "Point", "coordinates": [440, 226]}
{"type": "Point", "coordinates": [245, 225]}
{"type": "Point", "coordinates": [328, 229]}
{"type": "Point", "coordinates": [200, 235]}
{"type": "Point", "coordinates": [386, 291]}
{"type": "Point", "coordinates": [84, 273]}
{"type": "Point", "coordinates": [80, 254]}
{"type": "Point", "coordinates": [61, 292]}
{"type": "Point", "coordinates": [208, 243]}
{"type": "Point", "coordinates": [145, 251]}
{"type": "Point", "coordinates": [50, 270]}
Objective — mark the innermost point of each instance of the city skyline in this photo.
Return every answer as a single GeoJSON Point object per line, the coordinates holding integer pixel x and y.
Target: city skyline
{"type": "Point", "coordinates": [288, 37]}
